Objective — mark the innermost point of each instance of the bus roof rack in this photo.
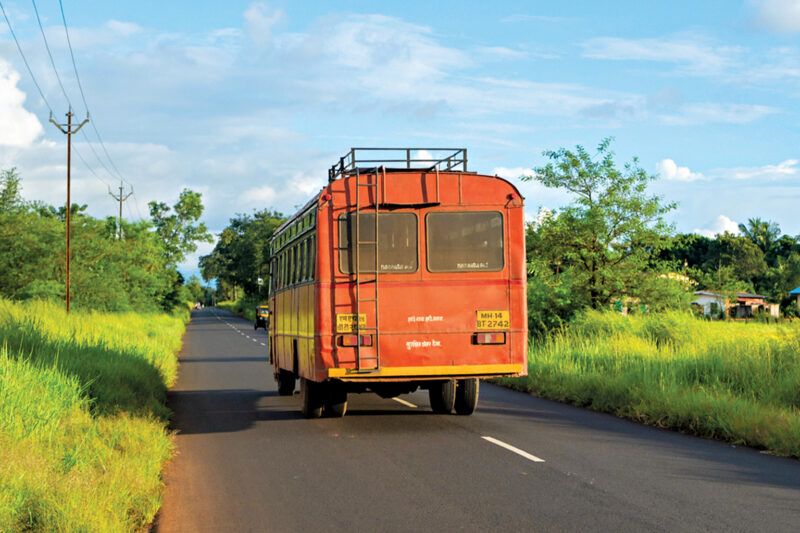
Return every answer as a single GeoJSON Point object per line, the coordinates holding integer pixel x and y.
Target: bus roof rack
{"type": "Point", "coordinates": [441, 159]}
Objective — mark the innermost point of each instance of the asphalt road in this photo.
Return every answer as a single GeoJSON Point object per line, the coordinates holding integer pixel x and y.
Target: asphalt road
{"type": "Point", "coordinates": [247, 461]}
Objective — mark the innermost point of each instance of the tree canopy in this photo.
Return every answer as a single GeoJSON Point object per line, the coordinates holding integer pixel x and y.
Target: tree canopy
{"type": "Point", "coordinates": [241, 255]}
{"type": "Point", "coordinates": [606, 237]}
{"type": "Point", "coordinates": [178, 227]}
{"type": "Point", "coordinates": [135, 273]}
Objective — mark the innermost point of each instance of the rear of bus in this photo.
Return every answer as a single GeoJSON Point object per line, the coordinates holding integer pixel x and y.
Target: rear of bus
{"type": "Point", "coordinates": [448, 305]}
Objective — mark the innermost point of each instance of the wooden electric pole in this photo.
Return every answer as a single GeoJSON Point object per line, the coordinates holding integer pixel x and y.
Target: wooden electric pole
{"type": "Point", "coordinates": [68, 132]}
{"type": "Point", "coordinates": [121, 198]}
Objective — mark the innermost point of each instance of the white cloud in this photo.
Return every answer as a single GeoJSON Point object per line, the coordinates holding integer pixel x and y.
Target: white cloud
{"type": "Point", "coordinates": [785, 169]}
{"type": "Point", "coordinates": [694, 54]}
{"type": "Point", "coordinates": [258, 197]}
{"type": "Point", "coordinates": [718, 226]}
{"type": "Point", "coordinates": [259, 21]}
{"type": "Point", "coordinates": [705, 113]}
{"type": "Point", "coordinates": [669, 170]}
{"type": "Point", "coordinates": [495, 53]}
{"type": "Point", "coordinates": [18, 126]}
{"type": "Point", "coordinates": [782, 16]}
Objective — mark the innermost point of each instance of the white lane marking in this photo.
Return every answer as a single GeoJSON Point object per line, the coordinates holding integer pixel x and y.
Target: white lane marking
{"type": "Point", "coordinates": [514, 449]}
{"type": "Point", "coordinates": [262, 344]}
{"type": "Point", "coordinates": [407, 404]}
{"type": "Point", "coordinates": [254, 340]}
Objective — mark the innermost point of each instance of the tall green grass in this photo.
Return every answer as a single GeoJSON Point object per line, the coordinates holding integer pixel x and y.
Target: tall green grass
{"type": "Point", "coordinates": [731, 381]}
{"type": "Point", "coordinates": [82, 417]}
{"type": "Point", "coordinates": [245, 307]}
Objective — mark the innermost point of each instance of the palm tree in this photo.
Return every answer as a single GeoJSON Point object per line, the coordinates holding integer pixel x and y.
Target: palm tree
{"type": "Point", "coordinates": [763, 233]}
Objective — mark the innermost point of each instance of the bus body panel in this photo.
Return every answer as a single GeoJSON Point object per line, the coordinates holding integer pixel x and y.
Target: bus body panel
{"type": "Point", "coordinates": [427, 319]}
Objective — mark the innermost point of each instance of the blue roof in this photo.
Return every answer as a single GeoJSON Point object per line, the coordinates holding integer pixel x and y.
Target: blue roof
{"type": "Point", "coordinates": [796, 291]}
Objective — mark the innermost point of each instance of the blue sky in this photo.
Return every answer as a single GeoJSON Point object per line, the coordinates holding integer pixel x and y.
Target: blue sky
{"type": "Point", "coordinates": [250, 102]}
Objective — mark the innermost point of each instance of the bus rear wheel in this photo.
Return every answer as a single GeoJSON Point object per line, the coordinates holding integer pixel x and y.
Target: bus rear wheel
{"type": "Point", "coordinates": [442, 396]}
{"type": "Point", "coordinates": [336, 404]}
{"type": "Point", "coordinates": [466, 396]}
{"type": "Point", "coordinates": [312, 398]}
{"type": "Point", "coordinates": [285, 381]}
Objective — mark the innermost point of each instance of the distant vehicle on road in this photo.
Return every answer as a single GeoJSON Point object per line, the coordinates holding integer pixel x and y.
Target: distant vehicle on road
{"type": "Point", "coordinates": [406, 271]}
{"type": "Point", "coordinates": [262, 317]}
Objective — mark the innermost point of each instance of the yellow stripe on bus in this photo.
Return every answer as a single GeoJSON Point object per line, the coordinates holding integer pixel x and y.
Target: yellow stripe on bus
{"type": "Point", "coordinates": [424, 371]}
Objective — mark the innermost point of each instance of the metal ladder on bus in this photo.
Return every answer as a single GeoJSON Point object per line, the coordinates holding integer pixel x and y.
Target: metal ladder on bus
{"type": "Point", "coordinates": [366, 362]}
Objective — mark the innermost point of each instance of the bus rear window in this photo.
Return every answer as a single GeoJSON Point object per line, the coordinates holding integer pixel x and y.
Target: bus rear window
{"type": "Point", "coordinates": [465, 242]}
{"type": "Point", "coordinates": [397, 241]}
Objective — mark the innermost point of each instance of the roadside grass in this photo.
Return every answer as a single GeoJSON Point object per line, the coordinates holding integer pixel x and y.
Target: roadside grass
{"type": "Point", "coordinates": [83, 434]}
{"type": "Point", "coordinates": [730, 381]}
{"type": "Point", "coordinates": [244, 307]}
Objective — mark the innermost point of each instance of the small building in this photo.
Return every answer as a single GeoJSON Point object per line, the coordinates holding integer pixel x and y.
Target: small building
{"type": "Point", "coordinates": [746, 305]}
{"type": "Point", "coordinates": [796, 292]}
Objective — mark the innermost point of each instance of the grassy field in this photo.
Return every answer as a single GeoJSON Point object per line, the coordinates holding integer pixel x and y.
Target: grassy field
{"type": "Point", "coordinates": [730, 381]}
{"type": "Point", "coordinates": [82, 417]}
{"type": "Point", "coordinates": [245, 308]}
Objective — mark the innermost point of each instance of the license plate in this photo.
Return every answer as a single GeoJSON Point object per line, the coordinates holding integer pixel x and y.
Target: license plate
{"type": "Point", "coordinates": [491, 320]}
{"type": "Point", "coordinates": [346, 322]}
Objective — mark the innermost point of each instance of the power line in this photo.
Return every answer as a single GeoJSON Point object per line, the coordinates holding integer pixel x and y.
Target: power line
{"type": "Point", "coordinates": [83, 97]}
{"type": "Point", "coordinates": [136, 205]}
{"type": "Point", "coordinates": [69, 44]}
{"type": "Point", "coordinates": [88, 167]}
{"type": "Point", "coordinates": [66, 96]}
{"type": "Point", "coordinates": [52, 61]}
{"type": "Point", "coordinates": [25, 60]}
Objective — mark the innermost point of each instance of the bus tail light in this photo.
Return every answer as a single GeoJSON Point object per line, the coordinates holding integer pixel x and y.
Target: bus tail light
{"type": "Point", "coordinates": [490, 338]}
{"type": "Point", "coordinates": [351, 341]}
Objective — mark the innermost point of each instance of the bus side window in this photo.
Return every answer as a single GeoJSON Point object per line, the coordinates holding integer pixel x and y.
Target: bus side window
{"type": "Point", "coordinates": [292, 262]}
{"type": "Point", "coordinates": [273, 271]}
{"type": "Point", "coordinates": [304, 273]}
{"type": "Point", "coordinates": [312, 258]}
{"type": "Point", "coordinates": [301, 261]}
{"type": "Point", "coordinates": [283, 268]}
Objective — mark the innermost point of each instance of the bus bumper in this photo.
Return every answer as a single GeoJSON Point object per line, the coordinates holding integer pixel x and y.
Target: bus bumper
{"type": "Point", "coordinates": [415, 373]}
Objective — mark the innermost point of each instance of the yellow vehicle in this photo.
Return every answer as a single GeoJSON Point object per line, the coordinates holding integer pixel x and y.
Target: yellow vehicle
{"type": "Point", "coordinates": [262, 317]}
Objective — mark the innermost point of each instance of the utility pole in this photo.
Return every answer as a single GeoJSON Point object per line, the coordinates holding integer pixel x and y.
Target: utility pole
{"type": "Point", "coordinates": [120, 199]}
{"type": "Point", "coordinates": [68, 132]}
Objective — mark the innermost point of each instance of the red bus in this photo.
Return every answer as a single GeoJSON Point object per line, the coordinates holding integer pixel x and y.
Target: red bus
{"type": "Point", "coordinates": [406, 271]}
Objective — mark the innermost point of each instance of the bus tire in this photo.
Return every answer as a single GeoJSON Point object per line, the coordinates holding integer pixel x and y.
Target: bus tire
{"type": "Point", "coordinates": [442, 396]}
{"type": "Point", "coordinates": [336, 405]}
{"type": "Point", "coordinates": [312, 398]}
{"type": "Point", "coordinates": [466, 396]}
{"type": "Point", "coordinates": [285, 381]}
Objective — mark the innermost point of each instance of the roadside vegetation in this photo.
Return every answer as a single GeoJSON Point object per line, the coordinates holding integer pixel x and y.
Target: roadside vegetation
{"type": "Point", "coordinates": [130, 266]}
{"type": "Point", "coordinates": [725, 380]}
{"type": "Point", "coordinates": [240, 259]}
{"type": "Point", "coordinates": [662, 364]}
{"type": "Point", "coordinates": [245, 307]}
{"type": "Point", "coordinates": [83, 419]}
{"type": "Point", "coordinates": [83, 413]}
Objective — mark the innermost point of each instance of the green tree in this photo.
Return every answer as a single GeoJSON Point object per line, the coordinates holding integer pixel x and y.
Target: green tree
{"type": "Point", "coordinates": [179, 228]}
{"type": "Point", "coordinates": [612, 228]}
{"type": "Point", "coordinates": [196, 289]}
{"type": "Point", "coordinates": [762, 233]}
{"type": "Point", "coordinates": [241, 255]}
{"type": "Point", "coordinates": [10, 197]}
{"type": "Point", "coordinates": [107, 273]}
{"type": "Point", "coordinates": [741, 255]}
